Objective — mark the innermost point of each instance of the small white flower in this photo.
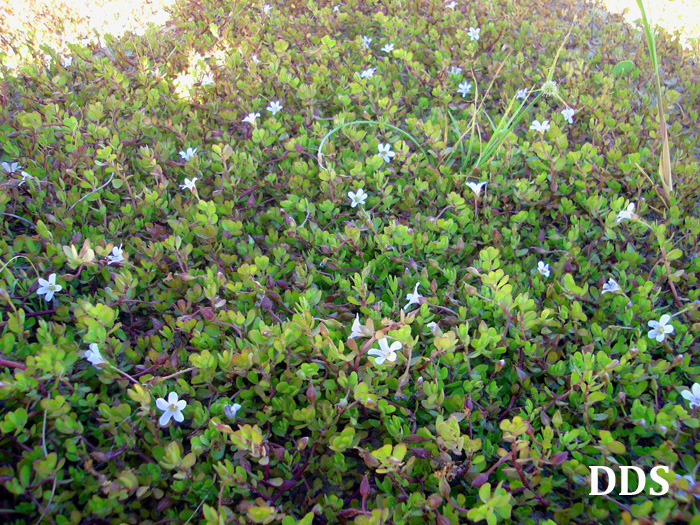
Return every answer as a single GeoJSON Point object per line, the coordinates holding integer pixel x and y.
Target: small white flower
{"type": "Point", "coordinates": [385, 152]}
{"type": "Point", "coordinates": [93, 355]}
{"type": "Point", "coordinates": [251, 118]}
{"type": "Point", "coordinates": [368, 73]}
{"type": "Point", "coordinates": [611, 286]}
{"type": "Point", "coordinates": [385, 352]}
{"type": "Point", "coordinates": [660, 328]}
{"type": "Point", "coordinates": [358, 199]}
{"type": "Point", "coordinates": [464, 88]}
{"type": "Point", "coordinates": [66, 61]}
{"type": "Point", "coordinates": [474, 33]}
{"type": "Point", "coordinates": [476, 187]}
{"type": "Point", "coordinates": [550, 88]}
{"type": "Point", "coordinates": [454, 70]}
{"type": "Point", "coordinates": [187, 155]}
{"type": "Point", "coordinates": [267, 8]}
{"type": "Point", "coordinates": [117, 256]}
{"type": "Point", "coordinates": [366, 41]}
{"type": "Point", "coordinates": [691, 482]}
{"type": "Point", "coordinates": [336, 8]}
{"type": "Point", "coordinates": [231, 410]}
{"type": "Point", "coordinates": [172, 409]}
{"type": "Point", "coordinates": [568, 115]}
{"type": "Point", "coordinates": [207, 79]}
{"type": "Point", "coordinates": [543, 268]}
{"type": "Point", "coordinates": [413, 298]}
{"type": "Point", "coordinates": [693, 395]}
{"type": "Point", "coordinates": [541, 127]}
{"type": "Point", "coordinates": [433, 327]}
{"type": "Point", "coordinates": [189, 184]}
{"type": "Point", "coordinates": [522, 93]}
{"type": "Point", "coordinates": [25, 177]}
{"type": "Point", "coordinates": [11, 168]}
{"type": "Point", "coordinates": [626, 214]}
{"type": "Point", "coordinates": [357, 328]}
{"type": "Point", "coordinates": [48, 288]}
{"type": "Point", "coordinates": [388, 48]}
{"type": "Point", "coordinates": [255, 59]}
{"type": "Point", "coordinates": [274, 107]}
{"type": "Point", "coordinates": [451, 5]}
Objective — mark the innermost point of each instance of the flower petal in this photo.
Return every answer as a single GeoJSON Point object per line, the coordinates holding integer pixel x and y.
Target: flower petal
{"type": "Point", "coordinates": [665, 319]}
{"type": "Point", "coordinates": [696, 390]}
{"type": "Point", "coordinates": [177, 416]}
{"type": "Point", "coordinates": [181, 404]}
{"type": "Point", "coordinates": [165, 418]}
{"type": "Point", "coordinates": [162, 404]}
{"type": "Point", "coordinates": [172, 398]}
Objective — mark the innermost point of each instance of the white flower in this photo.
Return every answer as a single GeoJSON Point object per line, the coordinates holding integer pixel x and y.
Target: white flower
{"type": "Point", "coordinates": [11, 168]}
{"type": "Point", "coordinates": [189, 184]}
{"type": "Point", "coordinates": [454, 70]}
{"type": "Point", "coordinates": [611, 286]}
{"type": "Point", "coordinates": [207, 79]}
{"type": "Point", "coordinates": [117, 256]}
{"type": "Point", "coordinates": [357, 328]}
{"type": "Point", "coordinates": [366, 41]}
{"type": "Point", "coordinates": [568, 114]}
{"type": "Point", "coordinates": [251, 118]}
{"type": "Point", "coordinates": [541, 127]}
{"type": "Point", "coordinates": [522, 93]}
{"type": "Point", "coordinates": [255, 59]}
{"type": "Point", "coordinates": [660, 328]}
{"type": "Point", "coordinates": [336, 8]}
{"type": "Point", "coordinates": [357, 198]}
{"type": "Point", "coordinates": [691, 482]}
{"type": "Point", "coordinates": [172, 407]}
{"type": "Point", "coordinates": [451, 5]}
{"type": "Point", "coordinates": [433, 327]}
{"type": "Point", "coordinates": [464, 88]}
{"type": "Point", "coordinates": [368, 73]}
{"type": "Point", "coordinates": [413, 298]}
{"type": "Point", "coordinates": [187, 155]}
{"type": "Point", "coordinates": [93, 355]}
{"type": "Point", "coordinates": [66, 61]}
{"type": "Point", "coordinates": [25, 177]}
{"type": "Point", "coordinates": [543, 268]}
{"type": "Point", "coordinates": [626, 214]}
{"type": "Point", "coordinates": [266, 8]}
{"type": "Point", "coordinates": [231, 410]}
{"type": "Point", "coordinates": [274, 107]}
{"type": "Point", "coordinates": [476, 187]}
{"type": "Point", "coordinates": [388, 48]}
{"type": "Point", "coordinates": [474, 33]}
{"type": "Point", "coordinates": [693, 395]}
{"type": "Point", "coordinates": [550, 89]}
{"type": "Point", "coordinates": [385, 152]}
{"type": "Point", "coordinates": [385, 352]}
{"type": "Point", "coordinates": [48, 288]}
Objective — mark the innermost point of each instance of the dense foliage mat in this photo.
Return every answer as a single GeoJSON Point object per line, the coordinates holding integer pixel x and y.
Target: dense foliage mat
{"type": "Point", "coordinates": [349, 263]}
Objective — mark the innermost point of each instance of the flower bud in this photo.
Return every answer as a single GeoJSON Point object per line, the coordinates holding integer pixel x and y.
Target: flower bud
{"type": "Point", "coordinates": [500, 364]}
{"type": "Point", "coordinates": [301, 444]}
{"type": "Point", "coordinates": [434, 501]}
{"type": "Point", "coordinates": [622, 397]}
{"type": "Point", "coordinates": [311, 393]}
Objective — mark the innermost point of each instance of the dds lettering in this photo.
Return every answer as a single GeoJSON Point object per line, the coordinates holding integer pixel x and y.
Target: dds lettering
{"type": "Point", "coordinates": [625, 485]}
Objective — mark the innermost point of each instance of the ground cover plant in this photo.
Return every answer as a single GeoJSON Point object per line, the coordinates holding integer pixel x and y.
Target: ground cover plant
{"type": "Point", "coordinates": [366, 262]}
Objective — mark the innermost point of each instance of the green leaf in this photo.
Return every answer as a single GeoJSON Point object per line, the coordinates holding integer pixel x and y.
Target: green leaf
{"type": "Point", "coordinates": [623, 68]}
